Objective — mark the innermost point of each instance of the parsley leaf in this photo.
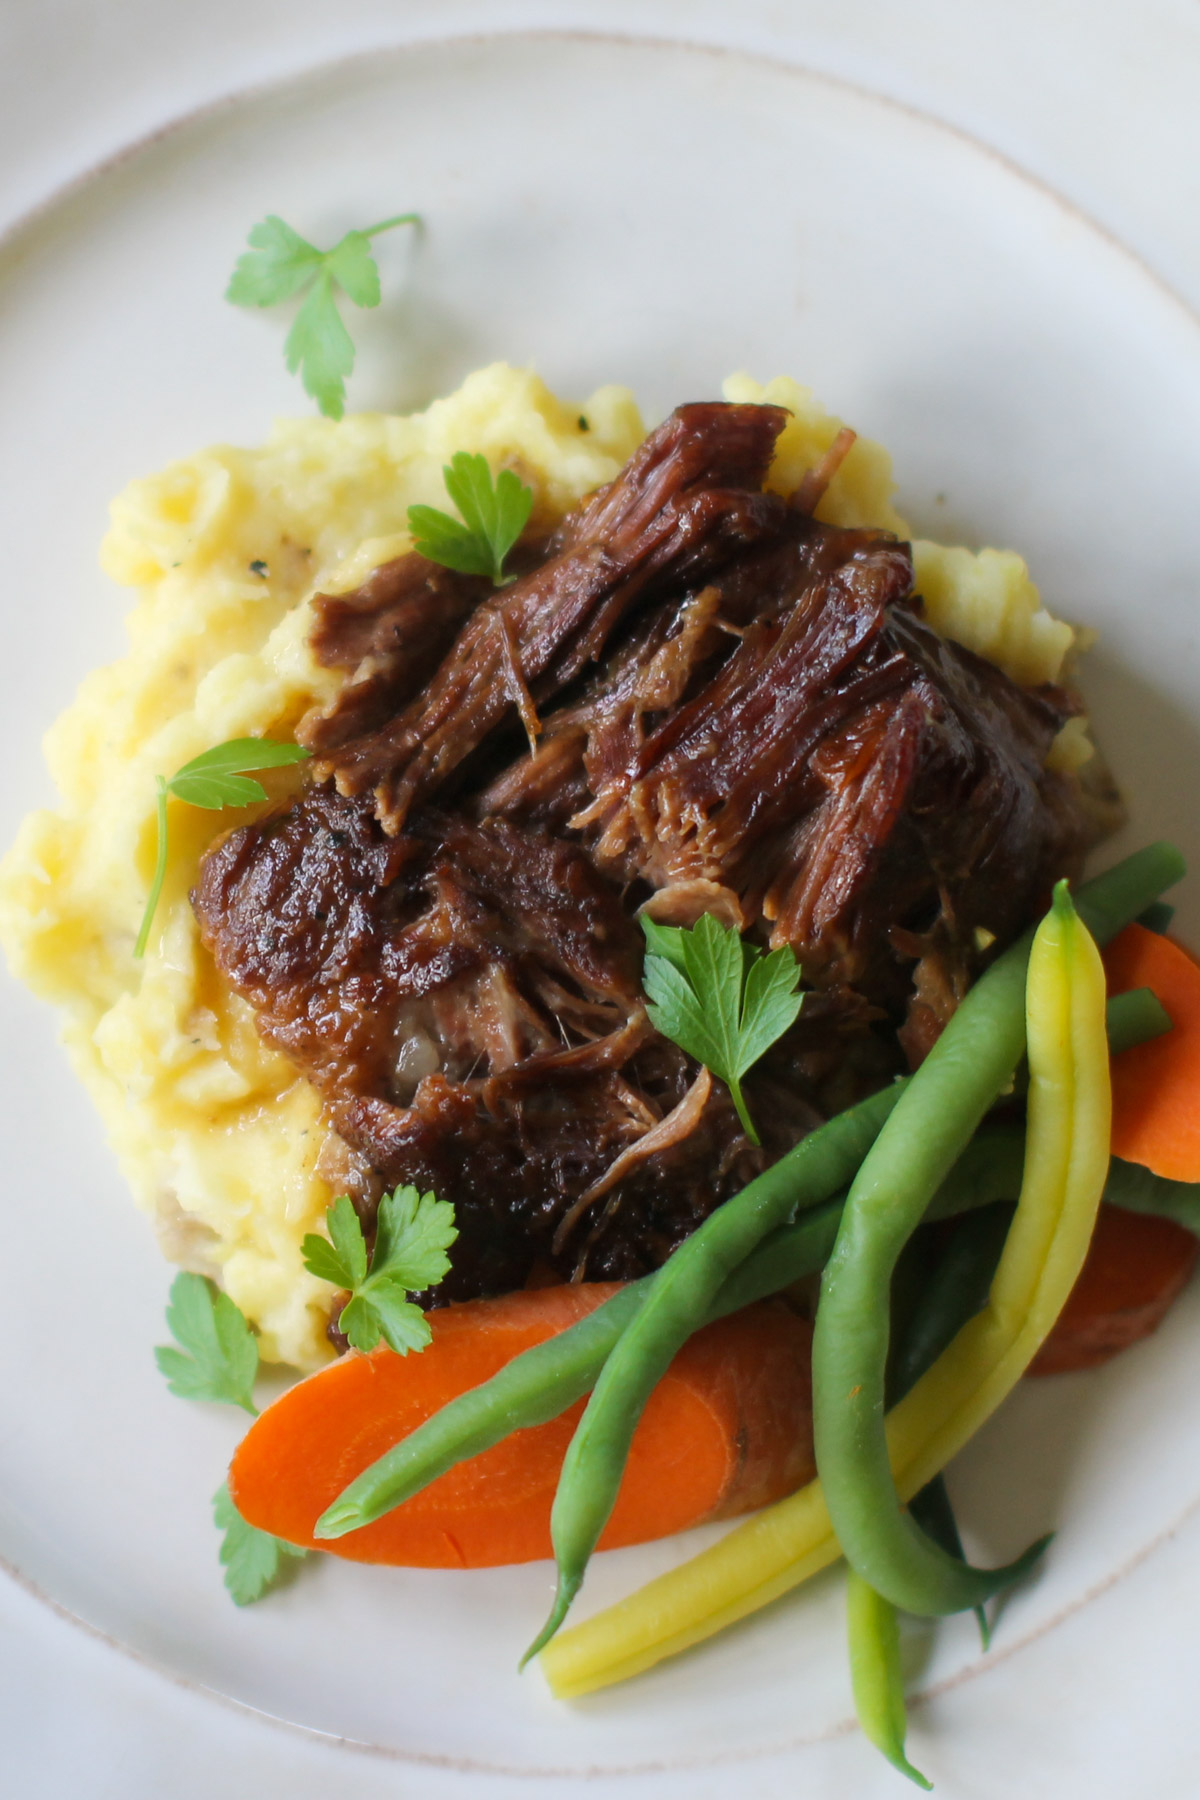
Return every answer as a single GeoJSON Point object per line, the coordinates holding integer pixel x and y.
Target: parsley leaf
{"type": "Point", "coordinates": [412, 1235]}
{"type": "Point", "coordinates": [493, 518]}
{"type": "Point", "coordinates": [218, 1358]}
{"type": "Point", "coordinates": [213, 779]}
{"type": "Point", "coordinates": [216, 777]}
{"type": "Point", "coordinates": [320, 348]}
{"type": "Point", "coordinates": [719, 999]}
{"type": "Point", "coordinates": [342, 1256]}
{"type": "Point", "coordinates": [279, 264]}
{"type": "Point", "coordinates": [254, 1561]}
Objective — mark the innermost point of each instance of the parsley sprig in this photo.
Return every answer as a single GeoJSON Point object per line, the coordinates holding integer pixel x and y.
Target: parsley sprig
{"type": "Point", "coordinates": [279, 264]}
{"type": "Point", "coordinates": [217, 1358]}
{"type": "Point", "coordinates": [254, 1561]}
{"type": "Point", "coordinates": [718, 998]}
{"type": "Point", "coordinates": [412, 1234]}
{"type": "Point", "coordinates": [493, 517]}
{"type": "Point", "coordinates": [214, 779]}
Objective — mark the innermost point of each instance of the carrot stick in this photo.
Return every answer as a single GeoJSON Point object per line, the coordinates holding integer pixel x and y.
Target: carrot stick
{"type": "Point", "coordinates": [729, 1427]}
{"type": "Point", "coordinates": [1156, 1085]}
{"type": "Point", "coordinates": [1136, 1266]}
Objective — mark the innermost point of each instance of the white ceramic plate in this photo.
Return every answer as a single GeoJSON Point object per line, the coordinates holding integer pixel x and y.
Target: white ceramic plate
{"type": "Point", "coordinates": [608, 211]}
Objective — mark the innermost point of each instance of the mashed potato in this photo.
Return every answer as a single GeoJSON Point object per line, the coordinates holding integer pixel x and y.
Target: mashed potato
{"type": "Point", "coordinates": [218, 1137]}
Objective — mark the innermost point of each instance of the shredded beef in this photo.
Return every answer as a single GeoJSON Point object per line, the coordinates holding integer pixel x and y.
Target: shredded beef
{"type": "Point", "coordinates": [688, 501]}
{"type": "Point", "coordinates": [390, 634]}
{"type": "Point", "coordinates": [466, 999]}
{"type": "Point", "coordinates": [730, 708]}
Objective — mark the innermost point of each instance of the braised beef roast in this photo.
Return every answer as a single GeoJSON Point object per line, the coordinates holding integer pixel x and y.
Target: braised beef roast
{"type": "Point", "coordinates": [694, 698]}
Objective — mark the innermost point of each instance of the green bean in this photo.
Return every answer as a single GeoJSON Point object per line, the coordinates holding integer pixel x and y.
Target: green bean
{"type": "Point", "coordinates": [851, 1339]}
{"type": "Point", "coordinates": [1108, 902]}
{"type": "Point", "coordinates": [1157, 916]}
{"type": "Point", "coordinates": [534, 1387]}
{"type": "Point", "coordinates": [787, 1255]}
{"type": "Point", "coordinates": [952, 1294]}
{"type": "Point", "coordinates": [934, 1514]}
{"type": "Point", "coordinates": [679, 1302]}
{"type": "Point", "coordinates": [803, 1248]}
{"type": "Point", "coordinates": [972, 1063]}
{"type": "Point", "coordinates": [873, 1636]}
{"type": "Point", "coordinates": [957, 1290]}
{"type": "Point", "coordinates": [991, 1165]}
{"type": "Point", "coordinates": [1131, 1018]}
{"type": "Point", "coordinates": [544, 1380]}
{"type": "Point", "coordinates": [1139, 1190]}
{"type": "Point", "coordinates": [990, 1169]}
{"type": "Point", "coordinates": [1134, 1018]}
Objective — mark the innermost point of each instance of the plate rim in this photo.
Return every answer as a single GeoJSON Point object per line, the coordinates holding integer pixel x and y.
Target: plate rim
{"type": "Point", "coordinates": [31, 219]}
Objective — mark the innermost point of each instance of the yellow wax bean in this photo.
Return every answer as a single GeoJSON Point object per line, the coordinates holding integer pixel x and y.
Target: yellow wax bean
{"type": "Point", "coordinates": [1065, 1168]}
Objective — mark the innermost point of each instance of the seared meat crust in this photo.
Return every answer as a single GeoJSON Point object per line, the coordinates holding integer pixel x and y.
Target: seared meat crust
{"type": "Point", "coordinates": [466, 998]}
{"type": "Point", "coordinates": [744, 714]}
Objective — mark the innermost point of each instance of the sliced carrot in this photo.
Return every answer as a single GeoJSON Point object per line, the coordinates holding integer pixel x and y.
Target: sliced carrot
{"type": "Point", "coordinates": [1156, 1086]}
{"type": "Point", "coordinates": [1136, 1266]}
{"type": "Point", "coordinates": [728, 1427]}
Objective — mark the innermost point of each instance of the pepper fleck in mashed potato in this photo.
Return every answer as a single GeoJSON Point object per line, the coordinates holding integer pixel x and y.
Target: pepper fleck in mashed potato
{"type": "Point", "coordinates": [219, 1138]}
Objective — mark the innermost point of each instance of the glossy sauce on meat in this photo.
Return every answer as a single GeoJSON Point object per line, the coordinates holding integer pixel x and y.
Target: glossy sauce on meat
{"type": "Point", "coordinates": [695, 698]}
